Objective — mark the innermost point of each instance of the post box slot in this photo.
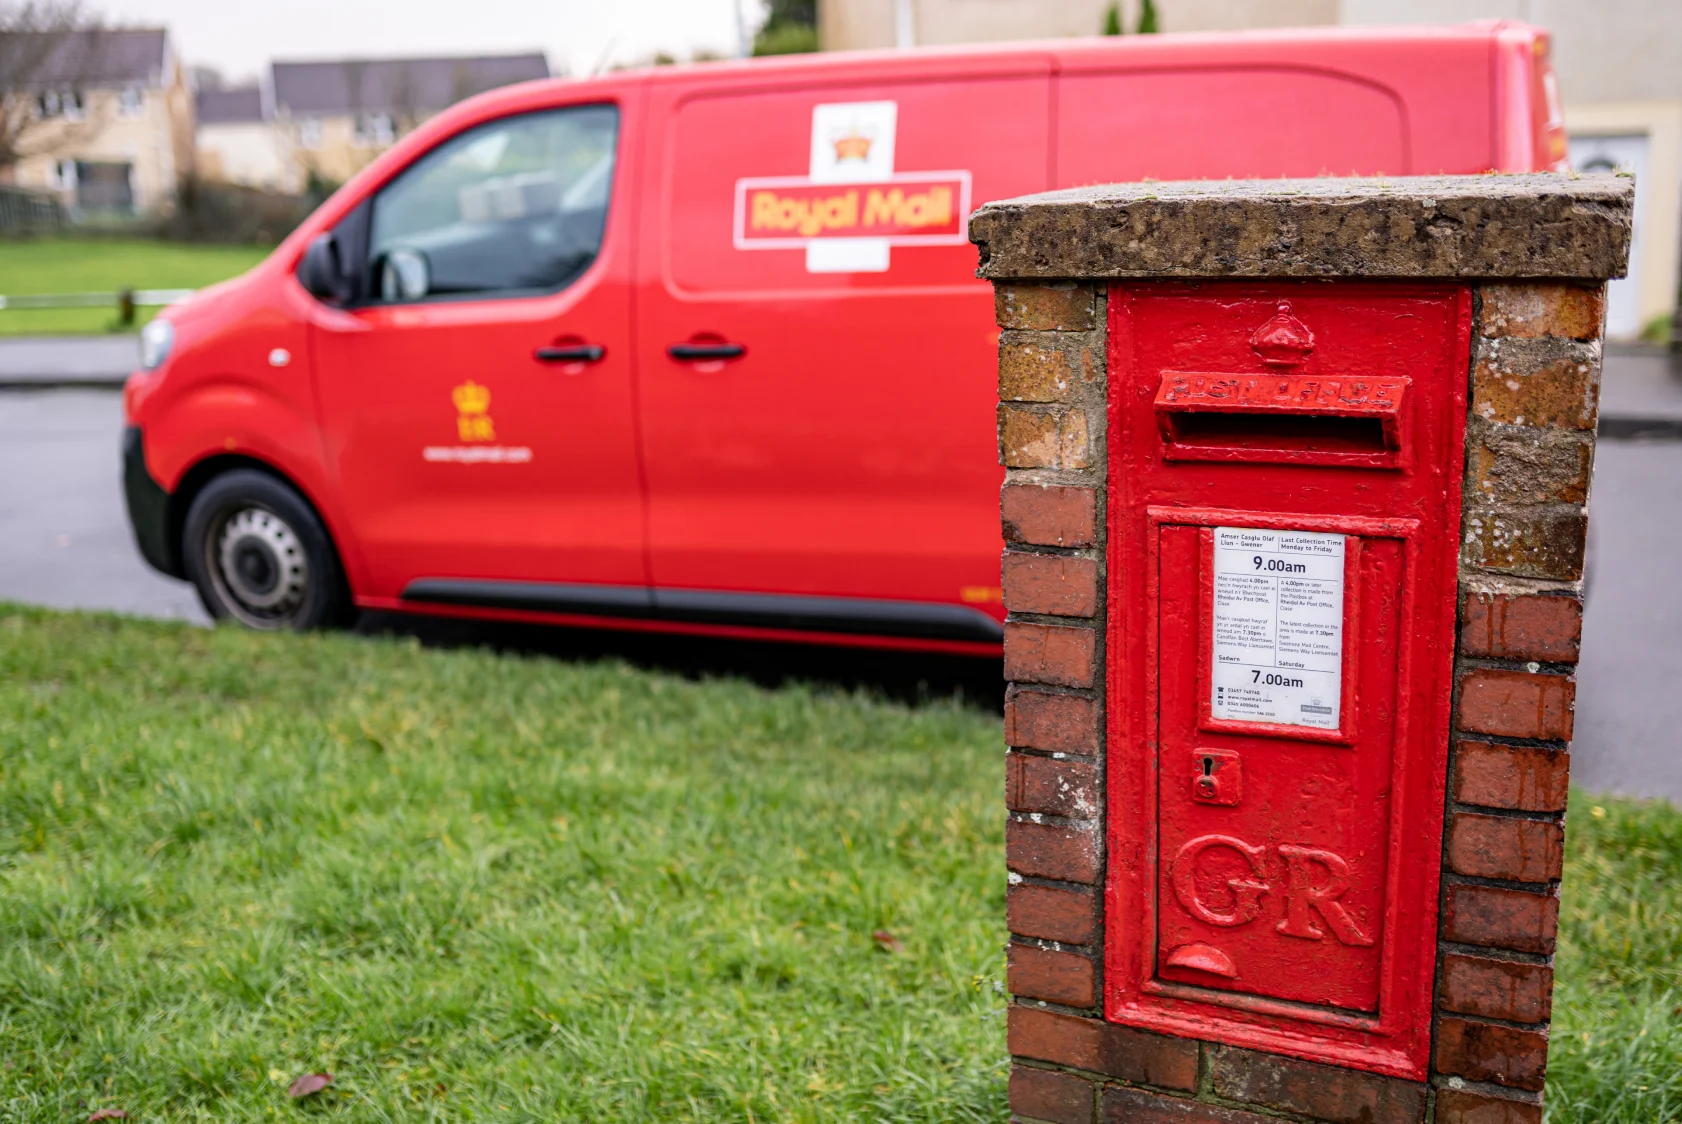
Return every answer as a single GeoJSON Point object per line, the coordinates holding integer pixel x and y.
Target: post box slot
{"type": "Point", "coordinates": [1289, 419]}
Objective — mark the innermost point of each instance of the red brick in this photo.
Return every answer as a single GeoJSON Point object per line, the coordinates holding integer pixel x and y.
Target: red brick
{"type": "Point", "coordinates": [1051, 786]}
{"type": "Point", "coordinates": [1100, 1047]}
{"type": "Point", "coordinates": [1049, 514]}
{"type": "Point", "coordinates": [1522, 311]}
{"type": "Point", "coordinates": [1034, 369]}
{"type": "Point", "coordinates": [1523, 778]}
{"type": "Point", "coordinates": [1061, 852]}
{"type": "Point", "coordinates": [1054, 975]}
{"type": "Point", "coordinates": [1033, 436]}
{"type": "Point", "coordinates": [1050, 583]}
{"type": "Point", "coordinates": [1046, 653]}
{"type": "Point", "coordinates": [1501, 1055]}
{"type": "Point", "coordinates": [1526, 627]}
{"type": "Point", "coordinates": [1496, 989]}
{"type": "Point", "coordinates": [1123, 1105]}
{"type": "Point", "coordinates": [1515, 464]}
{"type": "Point", "coordinates": [1534, 541]}
{"type": "Point", "coordinates": [1516, 704]}
{"type": "Point", "coordinates": [1461, 1106]}
{"type": "Point", "coordinates": [1056, 308]}
{"type": "Point", "coordinates": [1028, 437]}
{"type": "Point", "coordinates": [1074, 449]}
{"type": "Point", "coordinates": [1537, 383]}
{"type": "Point", "coordinates": [1521, 920]}
{"type": "Point", "coordinates": [1051, 1095]}
{"type": "Point", "coordinates": [1052, 913]}
{"type": "Point", "coordinates": [1058, 723]}
{"type": "Point", "coordinates": [1329, 1093]}
{"type": "Point", "coordinates": [1503, 847]}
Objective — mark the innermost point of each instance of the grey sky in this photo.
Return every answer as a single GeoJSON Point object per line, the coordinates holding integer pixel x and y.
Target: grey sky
{"type": "Point", "coordinates": [239, 37]}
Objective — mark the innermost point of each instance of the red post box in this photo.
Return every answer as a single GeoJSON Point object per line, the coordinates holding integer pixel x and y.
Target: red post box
{"type": "Point", "coordinates": [1317, 438]}
{"type": "Point", "coordinates": [1285, 469]}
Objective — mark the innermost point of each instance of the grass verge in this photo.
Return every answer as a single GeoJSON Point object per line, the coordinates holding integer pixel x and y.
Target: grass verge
{"type": "Point", "coordinates": [475, 886]}
{"type": "Point", "coordinates": [105, 265]}
{"type": "Point", "coordinates": [1616, 1051]}
{"type": "Point", "coordinates": [482, 887]}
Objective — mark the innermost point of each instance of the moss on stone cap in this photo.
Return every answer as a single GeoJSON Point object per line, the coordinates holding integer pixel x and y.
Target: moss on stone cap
{"type": "Point", "coordinates": [1540, 225]}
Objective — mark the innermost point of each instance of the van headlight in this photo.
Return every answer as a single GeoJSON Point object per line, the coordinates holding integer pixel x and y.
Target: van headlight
{"type": "Point", "coordinates": [155, 341]}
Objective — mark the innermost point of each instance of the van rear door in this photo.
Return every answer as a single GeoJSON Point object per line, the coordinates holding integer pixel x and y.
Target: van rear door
{"type": "Point", "coordinates": [816, 358]}
{"type": "Point", "coordinates": [1242, 122]}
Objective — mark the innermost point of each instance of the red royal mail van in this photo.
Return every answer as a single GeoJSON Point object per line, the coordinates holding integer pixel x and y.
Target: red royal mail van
{"type": "Point", "coordinates": [701, 348]}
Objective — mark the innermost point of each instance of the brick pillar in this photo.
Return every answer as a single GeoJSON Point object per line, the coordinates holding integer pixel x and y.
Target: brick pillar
{"type": "Point", "coordinates": [1533, 254]}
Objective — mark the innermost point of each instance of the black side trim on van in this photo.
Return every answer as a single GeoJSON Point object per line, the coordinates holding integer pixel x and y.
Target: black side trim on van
{"type": "Point", "coordinates": [849, 615]}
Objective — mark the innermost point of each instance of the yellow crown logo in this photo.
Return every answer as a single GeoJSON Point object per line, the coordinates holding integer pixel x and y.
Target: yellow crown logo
{"type": "Point", "coordinates": [854, 146]}
{"type": "Point", "coordinates": [471, 398]}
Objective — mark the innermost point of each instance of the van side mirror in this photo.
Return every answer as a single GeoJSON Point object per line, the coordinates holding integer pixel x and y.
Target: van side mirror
{"type": "Point", "coordinates": [404, 275]}
{"type": "Point", "coordinates": [322, 272]}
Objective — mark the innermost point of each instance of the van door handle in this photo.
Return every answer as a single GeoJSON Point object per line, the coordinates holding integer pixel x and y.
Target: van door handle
{"type": "Point", "coordinates": [706, 350]}
{"type": "Point", "coordinates": [573, 353]}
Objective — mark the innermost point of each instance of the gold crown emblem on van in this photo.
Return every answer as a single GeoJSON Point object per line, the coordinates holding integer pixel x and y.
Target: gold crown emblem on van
{"type": "Point", "coordinates": [472, 401]}
{"type": "Point", "coordinates": [471, 398]}
{"type": "Point", "coordinates": [854, 146]}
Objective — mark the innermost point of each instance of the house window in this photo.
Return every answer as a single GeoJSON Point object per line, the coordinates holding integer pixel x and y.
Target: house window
{"type": "Point", "coordinates": [60, 103]}
{"type": "Point", "coordinates": [309, 134]}
{"type": "Point", "coordinates": [132, 101]}
{"type": "Point", "coordinates": [374, 130]}
{"type": "Point", "coordinates": [63, 175]}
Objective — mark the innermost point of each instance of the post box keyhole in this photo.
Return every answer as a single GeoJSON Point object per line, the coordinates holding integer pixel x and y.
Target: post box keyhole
{"type": "Point", "coordinates": [1217, 777]}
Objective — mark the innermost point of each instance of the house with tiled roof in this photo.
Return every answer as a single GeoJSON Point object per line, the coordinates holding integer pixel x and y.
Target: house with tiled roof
{"type": "Point", "coordinates": [337, 115]}
{"type": "Point", "coordinates": [110, 126]}
{"type": "Point", "coordinates": [239, 142]}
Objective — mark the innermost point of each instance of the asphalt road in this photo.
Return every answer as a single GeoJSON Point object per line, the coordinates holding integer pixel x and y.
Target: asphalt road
{"type": "Point", "coordinates": [64, 541]}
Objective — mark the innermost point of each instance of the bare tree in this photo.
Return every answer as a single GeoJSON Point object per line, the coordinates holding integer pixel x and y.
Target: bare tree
{"type": "Point", "coordinates": [48, 51]}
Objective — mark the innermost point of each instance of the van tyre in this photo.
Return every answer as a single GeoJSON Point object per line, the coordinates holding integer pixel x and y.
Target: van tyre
{"type": "Point", "coordinates": [258, 554]}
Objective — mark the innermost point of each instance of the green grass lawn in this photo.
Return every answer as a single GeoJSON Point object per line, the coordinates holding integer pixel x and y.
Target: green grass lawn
{"type": "Point", "coordinates": [72, 265]}
{"type": "Point", "coordinates": [483, 887]}
{"type": "Point", "coordinates": [1616, 1053]}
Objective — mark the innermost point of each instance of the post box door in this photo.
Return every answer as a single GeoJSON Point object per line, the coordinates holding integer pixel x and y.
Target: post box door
{"type": "Point", "coordinates": [1280, 659]}
{"type": "Point", "coordinates": [1285, 465]}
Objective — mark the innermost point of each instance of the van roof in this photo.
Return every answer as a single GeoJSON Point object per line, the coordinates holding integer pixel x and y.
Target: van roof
{"type": "Point", "coordinates": [1081, 51]}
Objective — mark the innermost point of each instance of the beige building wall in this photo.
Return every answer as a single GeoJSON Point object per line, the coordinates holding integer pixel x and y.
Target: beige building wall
{"type": "Point", "coordinates": [329, 146]}
{"type": "Point", "coordinates": [251, 153]}
{"type": "Point", "coordinates": [156, 141]}
{"type": "Point", "coordinates": [856, 24]}
{"type": "Point", "coordinates": [1619, 64]}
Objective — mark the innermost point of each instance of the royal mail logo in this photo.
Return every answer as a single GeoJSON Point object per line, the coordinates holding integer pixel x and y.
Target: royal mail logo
{"type": "Point", "coordinates": [473, 424]}
{"type": "Point", "coordinates": [473, 421]}
{"type": "Point", "coordinates": [907, 210]}
{"type": "Point", "coordinates": [852, 206]}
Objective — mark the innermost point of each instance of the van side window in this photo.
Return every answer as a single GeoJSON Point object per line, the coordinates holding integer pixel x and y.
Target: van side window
{"type": "Point", "coordinates": [514, 206]}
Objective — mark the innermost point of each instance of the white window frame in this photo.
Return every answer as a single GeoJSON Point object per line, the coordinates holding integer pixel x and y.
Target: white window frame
{"type": "Point", "coordinates": [374, 130]}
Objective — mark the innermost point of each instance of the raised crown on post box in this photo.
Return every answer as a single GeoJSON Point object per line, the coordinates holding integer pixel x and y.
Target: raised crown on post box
{"type": "Point", "coordinates": [1284, 341]}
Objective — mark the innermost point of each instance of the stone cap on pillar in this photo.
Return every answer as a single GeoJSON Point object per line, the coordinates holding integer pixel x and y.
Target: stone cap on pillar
{"type": "Point", "coordinates": [1559, 226]}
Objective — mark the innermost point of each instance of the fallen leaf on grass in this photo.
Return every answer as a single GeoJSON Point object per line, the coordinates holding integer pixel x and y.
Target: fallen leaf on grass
{"type": "Point", "coordinates": [886, 941]}
{"type": "Point", "coordinates": [108, 1114]}
{"type": "Point", "coordinates": [308, 1085]}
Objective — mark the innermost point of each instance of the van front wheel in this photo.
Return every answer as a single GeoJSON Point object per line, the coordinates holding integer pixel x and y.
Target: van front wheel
{"type": "Point", "coordinates": [258, 554]}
